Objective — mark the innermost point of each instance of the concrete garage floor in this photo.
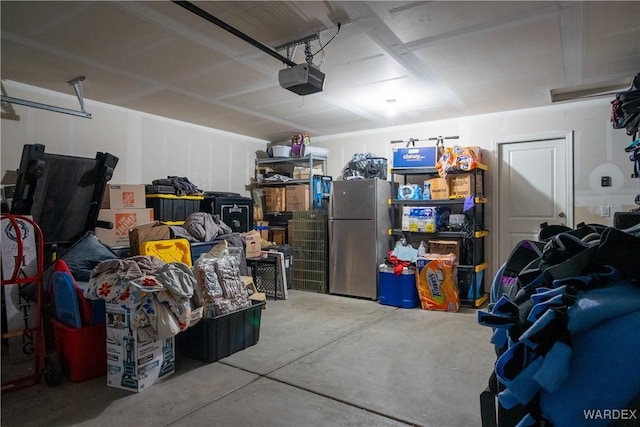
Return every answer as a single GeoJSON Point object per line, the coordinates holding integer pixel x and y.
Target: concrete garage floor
{"type": "Point", "coordinates": [322, 360]}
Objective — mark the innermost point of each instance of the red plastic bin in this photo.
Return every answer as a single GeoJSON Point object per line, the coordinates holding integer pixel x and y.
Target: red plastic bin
{"type": "Point", "coordinates": [82, 351]}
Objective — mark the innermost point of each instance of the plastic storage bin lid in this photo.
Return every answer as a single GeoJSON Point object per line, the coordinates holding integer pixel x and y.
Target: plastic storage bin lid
{"type": "Point", "coordinates": [389, 269]}
{"type": "Point", "coordinates": [171, 196]}
{"type": "Point", "coordinates": [168, 250]}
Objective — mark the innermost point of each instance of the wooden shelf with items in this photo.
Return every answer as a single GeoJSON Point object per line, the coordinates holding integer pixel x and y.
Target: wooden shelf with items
{"type": "Point", "coordinates": [467, 198]}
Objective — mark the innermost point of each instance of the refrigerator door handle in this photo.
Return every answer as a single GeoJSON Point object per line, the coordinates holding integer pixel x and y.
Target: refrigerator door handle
{"type": "Point", "coordinates": [331, 202]}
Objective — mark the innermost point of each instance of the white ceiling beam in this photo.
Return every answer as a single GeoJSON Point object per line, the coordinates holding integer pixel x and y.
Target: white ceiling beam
{"type": "Point", "coordinates": [390, 43]}
{"type": "Point", "coordinates": [144, 12]}
{"type": "Point", "coordinates": [514, 20]}
{"type": "Point", "coordinates": [571, 23]}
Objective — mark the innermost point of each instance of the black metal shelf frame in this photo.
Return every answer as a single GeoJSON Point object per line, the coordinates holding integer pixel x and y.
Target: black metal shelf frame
{"type": "Point", "coordinates": [473, 270]}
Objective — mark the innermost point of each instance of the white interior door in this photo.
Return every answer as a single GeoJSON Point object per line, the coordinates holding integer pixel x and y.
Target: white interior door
{"type": "Point", "coordinates": [535, 185]}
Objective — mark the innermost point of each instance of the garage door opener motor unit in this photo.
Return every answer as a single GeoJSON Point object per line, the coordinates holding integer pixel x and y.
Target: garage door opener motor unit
{"type": "Point", "coordinates": [302, 79]}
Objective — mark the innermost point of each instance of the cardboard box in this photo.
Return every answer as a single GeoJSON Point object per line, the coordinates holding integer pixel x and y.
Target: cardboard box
{"type": "Point", "coordinates": [277, 235]}
{"type": "Point", "coordinates": [145, 233]}
{"type": "Point", "coordinates": [252, 239]}
{"type": "Point", "coordinates": [136, 358]}
{"type": "Point", "coordinates": [262, 171]}
{"type": "Point", "coordinates": [445, 247]}
{"type": "Point", "coordinates": [255, 295]}
{"type": "Point", "coordinates": [263, 228]}
{"type": "Point", "coordinates": [306, 173]}
{"type": "Point", "coordinates": [439, 188]}
{"type": "Point", "coordinates": [415, 157]}
{"type": "Point", "coordinates": [275, 199]}
{"type": "Point", "coordinates": [461, 184]}
{"type": "Point", "coordinates": [122, 220]}
{"type": "Point", "coordinates": [297, 198]}
{"type": "Point", "coordinates": [124, 196]}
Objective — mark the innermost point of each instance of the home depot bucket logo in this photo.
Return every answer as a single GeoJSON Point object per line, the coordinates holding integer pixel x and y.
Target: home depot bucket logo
{"type": "Point", "coordinates": [128, 199]}
{"type": "Point", "coordinates": [124, 221]}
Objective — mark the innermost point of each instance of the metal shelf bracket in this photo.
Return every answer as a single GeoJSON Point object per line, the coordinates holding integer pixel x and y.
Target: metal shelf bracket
{"type": "Point", "coordinates": [77, 86]}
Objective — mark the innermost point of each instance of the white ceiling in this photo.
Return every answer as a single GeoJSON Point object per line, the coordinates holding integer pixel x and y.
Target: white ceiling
{"type": "Point", "coordinates": [438, 59]}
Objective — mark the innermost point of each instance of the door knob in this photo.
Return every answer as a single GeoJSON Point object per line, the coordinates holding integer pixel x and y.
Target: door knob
{"type": "Point", "coordinates": [561, 215]}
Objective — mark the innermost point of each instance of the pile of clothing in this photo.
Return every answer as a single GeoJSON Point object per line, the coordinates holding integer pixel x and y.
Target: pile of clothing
{"type": "Point", "coordinates": [159, 294]}
{"type": "Point", "coordinates": [165, 298]}
{"type": "Point", "coordinates": [565, 314]}
{"type": "Point", "coordinates": [365, 166]}
{"type": "Point", "coordinates": [625, 108]}
{"type": "Point", "coordinates": [182, 186]}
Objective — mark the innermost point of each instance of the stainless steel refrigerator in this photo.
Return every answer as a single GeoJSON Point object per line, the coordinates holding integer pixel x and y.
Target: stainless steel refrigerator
{"type": "Point", "coordinates": [359, 223]}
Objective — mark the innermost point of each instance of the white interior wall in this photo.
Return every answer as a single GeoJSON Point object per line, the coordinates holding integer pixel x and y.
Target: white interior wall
{"type": "Point", "coordinates": [151, 147]}
{"type": "Point", "coordinates": [598, 148]}
{"type": "Point", "coordinates": [148, 147]}
{"type": "Point", "coordinates": [598, 151]}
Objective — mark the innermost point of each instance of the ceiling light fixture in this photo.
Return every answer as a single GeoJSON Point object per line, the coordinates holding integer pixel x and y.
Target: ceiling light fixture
{"type": "Point", "coordinates": [391, 107]}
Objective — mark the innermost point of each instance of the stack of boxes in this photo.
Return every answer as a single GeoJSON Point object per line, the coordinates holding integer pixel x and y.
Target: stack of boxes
{"type": "Point", "coordinates": [275, 199]}
{"type": "Point", "coordinates": [133, 363]}
{"type": "Point", "coordinates": [293, 198]}
{"type": "Point", "coordinates": [137, 358]}
{"type": "Point", "coordinates": [124, 206]}
{"type": "Point", "coordinates": [297, 198]}
{"type": "Point", "coordinates": [455, 186]}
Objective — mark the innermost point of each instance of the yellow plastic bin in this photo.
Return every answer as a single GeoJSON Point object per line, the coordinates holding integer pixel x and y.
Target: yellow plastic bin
{"type": "Point", "coordinates": [169, 250]}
